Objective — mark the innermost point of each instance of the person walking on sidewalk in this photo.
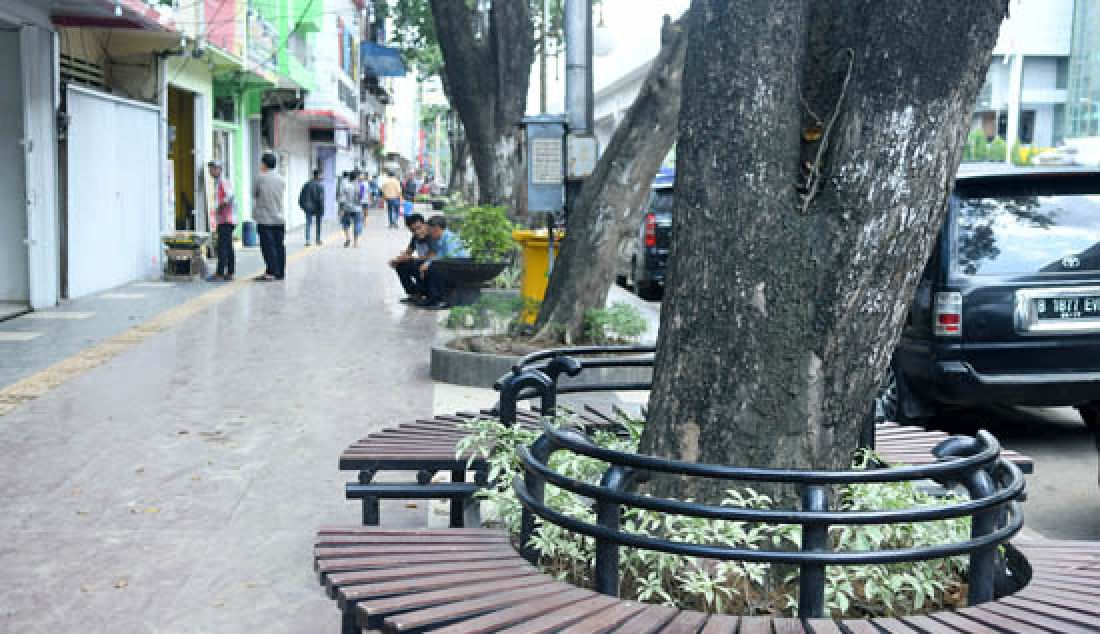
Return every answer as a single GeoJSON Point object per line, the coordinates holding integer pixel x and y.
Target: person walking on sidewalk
{"type": "Point", "coordinates": [270, 216]}
{"type": "Point", "coordinates": [351, 209]}
{"type": "Point", "coordinates": [312, 201]}
{"type": "Point", "coordinates": [226, 222]}
{"type": "Point", "coordinates": [391, 192]}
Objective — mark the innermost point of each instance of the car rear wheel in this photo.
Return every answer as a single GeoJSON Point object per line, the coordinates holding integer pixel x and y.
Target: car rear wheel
{"type": "Point", "coordinates": [895, 402]}
{"type": "Point", "coordinates": [645, 290]}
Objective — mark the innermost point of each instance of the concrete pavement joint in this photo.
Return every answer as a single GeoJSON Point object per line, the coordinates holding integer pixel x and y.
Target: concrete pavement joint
{"type": "Point", "coordinates": [61, 372]}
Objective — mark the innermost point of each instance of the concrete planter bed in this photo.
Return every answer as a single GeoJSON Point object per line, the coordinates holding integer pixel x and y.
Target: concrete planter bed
{"type": "Point", "coordinates": [477, 369]}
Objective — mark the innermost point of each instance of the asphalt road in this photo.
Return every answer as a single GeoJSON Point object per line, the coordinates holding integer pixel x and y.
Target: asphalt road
{"type": "Point", "coordinates": [1063, 493]}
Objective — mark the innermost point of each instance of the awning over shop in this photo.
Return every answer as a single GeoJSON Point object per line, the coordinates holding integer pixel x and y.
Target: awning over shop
{"type": "Point", "coordinates": [381, 61]}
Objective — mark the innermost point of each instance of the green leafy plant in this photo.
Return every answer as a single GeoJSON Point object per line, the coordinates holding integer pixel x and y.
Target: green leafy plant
{"type": "Point", "coordinates": [487, 233]}
{"type": "Point", "coordinates": [493, 311]}
{"type": "Point", "coordinates": [977, 146]}
{"type": "Point", "coordinates": [717, 586]}
{"type": "Point", "coordinates": [998, 150]}
{"type": "Point", "coordinates": [619, 323]}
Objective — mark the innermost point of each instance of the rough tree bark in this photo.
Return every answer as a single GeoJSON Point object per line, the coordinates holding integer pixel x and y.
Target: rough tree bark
{"type": "Point", "coordinates": [459, 156]}
{"type": "Point", "coordinates": [815, 155]}
{"type": "Point", "coordinates": [488, 78]}
{"type": "Point", "coordinates": [610, 204]}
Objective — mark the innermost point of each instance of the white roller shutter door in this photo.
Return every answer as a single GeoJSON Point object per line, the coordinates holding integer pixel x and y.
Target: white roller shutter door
{"type": "Point", "coordinates": [113, 191]}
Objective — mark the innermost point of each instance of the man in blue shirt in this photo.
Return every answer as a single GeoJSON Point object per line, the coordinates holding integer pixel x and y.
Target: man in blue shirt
{"type": "Point", "coordinates": [444, 244]}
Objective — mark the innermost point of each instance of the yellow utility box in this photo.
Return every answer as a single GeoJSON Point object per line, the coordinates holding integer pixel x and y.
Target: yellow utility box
{"type": "Point", "coordinates": [536, 261]}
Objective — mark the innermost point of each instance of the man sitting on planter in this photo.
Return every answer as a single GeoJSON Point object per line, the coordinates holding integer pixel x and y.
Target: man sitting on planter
{"type": "Point", "coordinates": [444, 244]}
{"type": "Point", "coordinates": [407, 263]}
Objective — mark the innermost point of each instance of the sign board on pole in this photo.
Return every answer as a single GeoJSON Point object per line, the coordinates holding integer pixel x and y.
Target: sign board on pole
{"type": "Point", "coordinates": [545, 163]}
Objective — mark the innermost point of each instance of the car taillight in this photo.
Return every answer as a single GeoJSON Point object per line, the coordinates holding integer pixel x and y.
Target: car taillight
{"type": "Point", "coordinates": [948, 314]}
{"type": "Point", "coordinates": [650, 230]}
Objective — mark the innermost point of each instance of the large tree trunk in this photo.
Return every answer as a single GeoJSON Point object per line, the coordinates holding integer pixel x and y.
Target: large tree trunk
{"type": "Point", "coordinates": [488, 79]}
{"type": "Point", "coordinates": [794, 261]}
{"type": "Point", "coordinates": [610, 205]}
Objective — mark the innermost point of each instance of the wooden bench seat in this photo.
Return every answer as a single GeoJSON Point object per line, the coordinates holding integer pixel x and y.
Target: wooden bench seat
{"type": "Point", "coordinates": [471, 580]}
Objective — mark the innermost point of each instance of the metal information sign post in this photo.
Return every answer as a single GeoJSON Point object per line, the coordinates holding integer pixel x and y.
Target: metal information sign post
{"type": "Point", "coordinates": [546, 170]}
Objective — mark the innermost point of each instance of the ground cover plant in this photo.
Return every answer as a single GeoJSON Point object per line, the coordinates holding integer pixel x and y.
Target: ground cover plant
{"type": "Point", "coordinates": [729, 587]}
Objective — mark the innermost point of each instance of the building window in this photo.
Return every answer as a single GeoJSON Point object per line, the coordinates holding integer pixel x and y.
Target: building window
{"type": "Point", "coordinates": [225, 109]}
{"type": "Point", "coordinates": [223, 151]}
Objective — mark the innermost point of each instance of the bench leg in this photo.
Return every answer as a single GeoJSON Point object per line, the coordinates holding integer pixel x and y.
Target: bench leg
{"type": "Point", "coordinates": [457, 503]}
{"type": "Point", "coordinates": [348, 622]}
{"type": "Point", "coordinates": [471, 511]}
{"type": "Point", "coordinates": [370, 504]}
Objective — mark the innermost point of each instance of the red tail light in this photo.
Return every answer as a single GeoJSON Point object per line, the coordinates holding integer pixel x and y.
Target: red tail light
{"type": "Point", "coordinates": [948, 314]}
{"type": "Point", "coordinates": [650, 230]}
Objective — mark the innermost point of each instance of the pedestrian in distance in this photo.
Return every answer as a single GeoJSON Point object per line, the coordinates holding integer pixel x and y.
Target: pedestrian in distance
{"type": "Point", "coordinates": [407, 263]}
{"type": "Point", "coordinates": [391, 192]}
{"type": "Point", "coordinates": [270, 216]}
{"type": "Point", "coordinates": [364, 195]}
{"type": "Point", "coordinates": [444, 244]}
{"type": "Point", "coordinates": [312, 201]}
{"type": "Point", "coordinates": [225, 222]}
{"type": "Point", "coordinates": [351, 209]}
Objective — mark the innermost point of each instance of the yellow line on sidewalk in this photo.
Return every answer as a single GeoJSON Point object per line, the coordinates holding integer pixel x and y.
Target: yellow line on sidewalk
{"type": "Point", "coordinates": [59, 373]}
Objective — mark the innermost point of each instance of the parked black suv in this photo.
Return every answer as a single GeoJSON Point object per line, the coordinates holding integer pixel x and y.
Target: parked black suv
{"type": "Point", "coordinates": [644, 259]}
{"type": "Point", "coordinates": [1008, 307]}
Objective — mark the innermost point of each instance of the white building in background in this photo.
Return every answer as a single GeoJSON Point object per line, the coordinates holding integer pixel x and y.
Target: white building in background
{"type": "Point", "coordinates": [1026, 87]}
{"type": "Point", "coordinates": [402, 130]}
{"type": "Point", "coordinates": [331, 110]}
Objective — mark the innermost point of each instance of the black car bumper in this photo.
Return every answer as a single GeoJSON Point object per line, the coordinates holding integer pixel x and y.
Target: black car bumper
{"type": "Point", "coordinates": [958, 383]}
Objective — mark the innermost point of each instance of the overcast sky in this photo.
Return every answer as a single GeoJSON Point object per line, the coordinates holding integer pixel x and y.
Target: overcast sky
{"type": "Point", "coordinates": [635, 28]}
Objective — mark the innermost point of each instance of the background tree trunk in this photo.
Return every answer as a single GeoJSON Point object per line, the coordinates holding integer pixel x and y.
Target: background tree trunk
{"type": "Point", "coordinates": [488, 78]}
{"type": "Point", "coordinates": [459, 157]}
{"type": "Point", "coordinates": [786, 293]}
{"type": "Point", "coordinates": [610, 204]}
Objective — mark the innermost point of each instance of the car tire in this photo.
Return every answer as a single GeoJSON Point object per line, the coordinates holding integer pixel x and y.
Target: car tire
{"type": "Point", "coordinates": [646, 290]}
{"type": "Point", "coordinates": [1090, 413]}
{"type": "Point", "coordinates": [894, 401]}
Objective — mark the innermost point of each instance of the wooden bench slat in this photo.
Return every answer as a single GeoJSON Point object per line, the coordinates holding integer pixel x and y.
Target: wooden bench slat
{"type": "Point", "coordinates": [960, 623]}
{"type": "Point", "coordinates": [361, 563]}
{"type": "Point", "coordinates": [755, 625]}
{"type": "Point", "coordinates": [519, 613]}
{"type": "Point", "coordinates": [435, 582]}
{"type": "Point", "coordinates": [555, 621]}
{"type": "Point", "coordinates": [823, 626]}
{"type": "Point", "coordinates": [649, 620]}
{"type": "Point", "coordinates": [410, 572]}
{"type": "Point", "coordinates": [1070, 600]}
{"type": "Point", "coordinates": [860, 627]}
{"type": "Point", "coordinates": [1041, 607]}
{"type": "Point", "coordinates": [1035, 620]}
{"type": "Point", "coordinates": [788, 626]}
{"type": "Point", "coordinates": [893, 626]}
{"type": "Point", "coordinates": [604, 621]}
{"type": "Point", "coordinates": [358, 540]}
{"type": "Point", "coordinates": [925, 625]}
{"type": "Point", "coordinates": [411, 532]}
{"type": "Point", "coordinates": [459, 609]}
{"type": "Point", "coordinates": [685, 623]}
{"type": "Point", "coordinates": [350, 552]}
{"type": "Point", "coordinates": [720, 624]}
{"type": "Point", "coordinates": [453, 595]}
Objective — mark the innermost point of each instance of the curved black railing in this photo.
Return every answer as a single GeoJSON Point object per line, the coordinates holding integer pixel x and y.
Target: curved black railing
{"type": "Point", "coordinates": [537, 375]}
{"type": "Point", "coordinates": [994, 484]}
